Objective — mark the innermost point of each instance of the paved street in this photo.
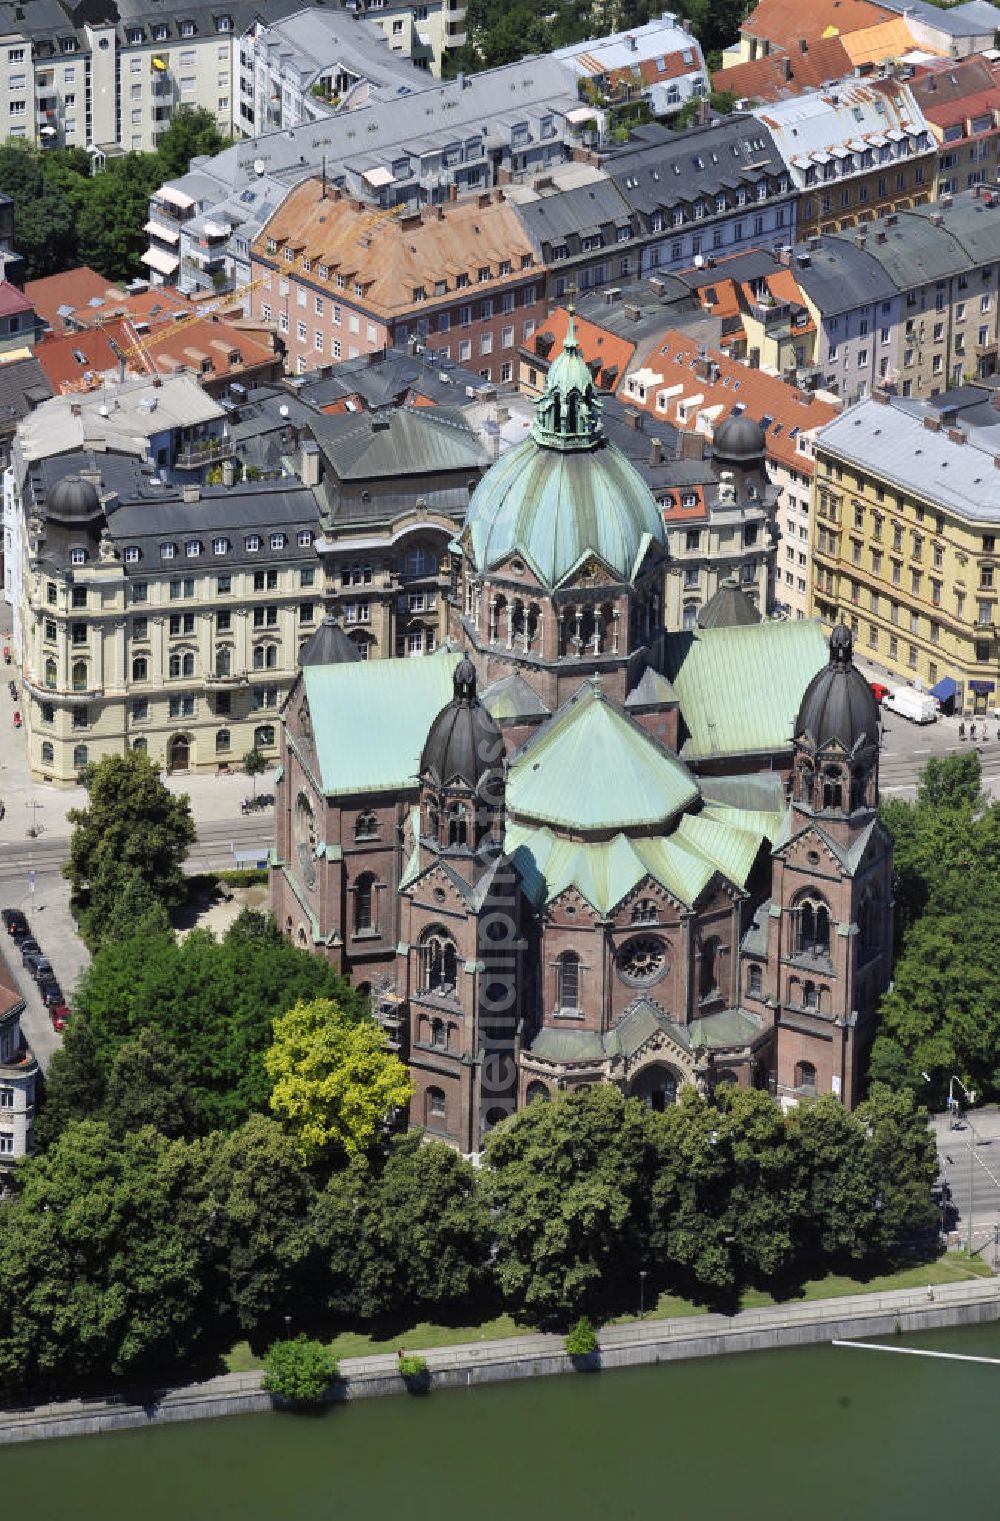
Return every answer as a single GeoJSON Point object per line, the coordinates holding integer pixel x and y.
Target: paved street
{"type": "Point", "coordinates": [30, 868]}
{"type": "Point", "coordinates": [970, 1165]}
{"type": "Point", "coordinates": [907, 747]}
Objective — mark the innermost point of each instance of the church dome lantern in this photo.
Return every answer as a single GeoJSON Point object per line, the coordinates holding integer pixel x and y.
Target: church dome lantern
{"type": "Point", "coordinates": [565, 493]}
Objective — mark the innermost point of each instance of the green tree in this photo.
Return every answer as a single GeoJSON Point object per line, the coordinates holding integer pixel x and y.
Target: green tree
{"type": "Point", "coordinates": [567, 1184]}
{"type": "Point", "coordinates": [121, 904]}
{"type": "Point", "coordinates": [839, 1220]}
{"type": "Point", "coordinates": [334, 1079]}
{"type": "Point", "coordinates": [74, 1086]}
{"type": "Point", "coordinates": [300, 1371]}
{"type": "Point", "coordinates": [951, 781]}
{"type": "Point", "coordinates": [102, 1270]}
{"type": "Point", "coordinates": [192, 133]}
{"type": "Point", "coordinates": [213, 1002]}
{"type": "Point", "coordinates": [259, 1201]}
{"type": "Point", "coordinates": [146, 1086]}
{"type": "Point", "coordinates": [254, 764]}
{"type": "Point", "coordinates": [110, 223]}
{"type": "Point", "coordinates": [44, 224]}
{"type": "Point", "coordinates": [132, 822]}
{"type": "Point", "coordinates": [901, 1160]}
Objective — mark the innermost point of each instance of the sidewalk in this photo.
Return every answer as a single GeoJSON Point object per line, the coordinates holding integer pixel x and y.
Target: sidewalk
{"type": "Point", "coordinates": [969, 1302]}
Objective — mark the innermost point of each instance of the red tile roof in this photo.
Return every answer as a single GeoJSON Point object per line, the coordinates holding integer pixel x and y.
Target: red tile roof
{"type": "Point", "coordinates": [74, 288]}
{"type": "Point", "coordinates": [68, 358]}
{"type": "Point", "coordinates": [597, 344]}
{"type": "Point", "coordinates": [784, 22]}
{"type": "Point", "coordinates": [681, 361]}
{"type": "Point", "coordinates": [780, 76]}
{"type": "Point", "coordinates": [12, 300]}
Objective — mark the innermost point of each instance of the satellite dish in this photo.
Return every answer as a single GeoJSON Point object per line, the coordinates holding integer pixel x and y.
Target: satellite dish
{"type": "Point", "coordinates": [283, 410]}
{"type": "Point", "coordinates": [258, 166]}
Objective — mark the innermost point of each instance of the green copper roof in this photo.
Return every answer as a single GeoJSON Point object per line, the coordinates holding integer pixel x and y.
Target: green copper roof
{"type": "Point", "coordinates": [594, 769]}
{"type": "Point", "coordinates": [568, 1046]}
{"type": "Point", "coordinates": [370, 720]}
{"type": "Point", "coordinates": [720, 674]}
{"type": "Point", "coordinates": [755, 819]}
{"type": "Point", "coordinates": [730, 1027]}
{"type": "Point", "coordinates": [565, 493]}
{"type": "Point", "coordinates": [604, 873]}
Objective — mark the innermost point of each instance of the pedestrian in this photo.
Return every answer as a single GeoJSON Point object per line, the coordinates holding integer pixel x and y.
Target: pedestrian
{"type": "Point", "coordinates": [961, 729]}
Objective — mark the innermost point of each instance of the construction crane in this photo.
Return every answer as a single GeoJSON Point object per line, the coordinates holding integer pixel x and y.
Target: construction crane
{"type": "Point", "coordinates": [376, 220]}
{"type": "Point", "coordinates": [141, 343]}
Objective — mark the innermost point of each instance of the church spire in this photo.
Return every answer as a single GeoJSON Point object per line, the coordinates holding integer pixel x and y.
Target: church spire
{"type": "Point", "coordinates": [568, 412]}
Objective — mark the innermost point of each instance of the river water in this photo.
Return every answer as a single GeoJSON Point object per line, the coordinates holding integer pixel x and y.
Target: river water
{"type": "Point", "coordinates": [826, 1433]}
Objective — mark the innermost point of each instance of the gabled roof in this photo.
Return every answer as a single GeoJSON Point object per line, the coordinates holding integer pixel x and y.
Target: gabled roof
{"type": "Point", "coordinates": [778, 75]}
{"type": "Point", "coordinates": [370, 719]}
{"type": "Point", "coordinates": [784, 22]}
{"type": "Point", "coordinates": [511, 697]}
{"type": "Point", "coordinates": [719, 674]}
{"type": "Point", "coordinates": [592, 768]}
{"type": "Point", "coordinates": [605, 354]}
{"type": "Point", "coordinates": [400, 442]}
{"type": "Point", "coordinates": [70, 290]}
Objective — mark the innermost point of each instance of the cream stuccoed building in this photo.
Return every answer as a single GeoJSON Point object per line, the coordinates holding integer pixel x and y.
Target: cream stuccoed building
{"type": "Point", "coordinates": [151, 611]}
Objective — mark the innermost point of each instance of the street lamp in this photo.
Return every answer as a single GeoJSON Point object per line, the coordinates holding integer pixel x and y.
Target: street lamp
{"type": "Point", "coordinates": [643, 1275]}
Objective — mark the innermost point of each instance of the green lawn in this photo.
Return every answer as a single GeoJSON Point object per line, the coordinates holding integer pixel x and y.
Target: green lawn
{"type": "Point", "coordinates": [950, 1268]}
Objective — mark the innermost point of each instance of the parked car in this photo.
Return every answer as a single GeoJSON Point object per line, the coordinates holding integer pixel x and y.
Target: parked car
{"type": "Point", "coordinates": [879, 690]}
{"type": "Point", "coordinates": [918, 707]}
{"type": "Point", "coordinates": [42, 970]}
{"type": "Point", "coordinates": [59, 1015]}
{"type": "Point", "coordinates": [51, 992]}
{"type": "Point", "coordinates": [30, 949]}
{"type": "Point", "coordinates": [14, 922]}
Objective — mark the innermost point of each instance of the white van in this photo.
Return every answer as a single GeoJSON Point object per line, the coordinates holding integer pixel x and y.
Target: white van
{"type": "Point", "coordinates": [918, 707]}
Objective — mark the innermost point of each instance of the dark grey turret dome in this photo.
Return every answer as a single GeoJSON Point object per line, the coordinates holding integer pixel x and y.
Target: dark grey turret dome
{"type": "Point", "coordinates": [329, 645]}
{"type": "Point", "coordinates": [73, 500]}
{"type": "Point", "coordinates": [464, 742]}
{"type": "Point", "coordinates": [838, 705]}
{"type": "Point", "coordinates": [729, 607]}
{"type": "Point", "coordinates": [739, 440]}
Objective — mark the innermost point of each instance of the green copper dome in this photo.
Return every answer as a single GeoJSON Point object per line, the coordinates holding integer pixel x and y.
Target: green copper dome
{"type": "Point", "coordinates": [565, 493]}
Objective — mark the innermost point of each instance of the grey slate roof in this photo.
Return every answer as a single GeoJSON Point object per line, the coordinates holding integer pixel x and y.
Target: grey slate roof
{"type": "Point", "coordinates": [22, 386]}
{"type": "Point", "coordinates": [975, 18]}
{"type": "Point", "coordinates": [569, 215]}
{"type": "Point", "coordinates": [838, 276]}
{"type": "Point", "coordinates": [893, 438]}
{"type": "Point", "coordinates": [329, 645]}
{"type": "Point", "coordinates": [385, 378]}
{"type": "Point", "coordinates": [684, 166]}
{"type": "Point", "coordinates": [404, 442]}
{"type": "Point", "coordinates": [913, 250]}
{"type": "Point", "coordinates": [728, 607]}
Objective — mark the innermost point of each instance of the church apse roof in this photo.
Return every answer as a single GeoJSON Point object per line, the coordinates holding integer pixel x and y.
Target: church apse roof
{"type": "Point", "coordinates": [592, 768]}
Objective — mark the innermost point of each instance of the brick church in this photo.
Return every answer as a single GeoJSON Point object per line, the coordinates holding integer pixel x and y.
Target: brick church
{"type": "Point", "coordinates": [573, 846]}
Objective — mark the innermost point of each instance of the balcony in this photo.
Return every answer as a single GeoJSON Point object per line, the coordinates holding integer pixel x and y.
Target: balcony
{"type": "Point", "coordinates": [194, 454]}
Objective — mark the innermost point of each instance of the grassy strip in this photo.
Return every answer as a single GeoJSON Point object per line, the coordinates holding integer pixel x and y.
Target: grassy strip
{"type": "Point", "coordinates": [951, 1268]}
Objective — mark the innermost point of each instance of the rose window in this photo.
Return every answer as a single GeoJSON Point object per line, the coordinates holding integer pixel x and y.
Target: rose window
{"type": "Point", "coordinates": [643, 960]}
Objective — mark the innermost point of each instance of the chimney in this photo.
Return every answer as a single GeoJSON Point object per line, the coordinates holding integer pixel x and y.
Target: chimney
{"type": "Point", "coordinates": [633, 44]}
{"type": "Point", "coordinates": [957, 435]}
{"type": "Point", "coordinates": [453, 192]}
{"type": "Point", "coordinates": [309, 462]}
{"type": "Point", "coordinates": [632, 312]}
{"type": "Point", "coordinates": [879, 394]}
{"type": "Point", "coordinates": [815, 242]}
{"type": "Point", "coordinates": [191, 493]}
{"type": "Point", "coordinates": [880, 237]}
{"type": "Point", "coordinates": [803, 45]}
{"type": "Point", "coordinates": [75, 409]}
{"type": "Point", "coordinates": [633, 419]}
{"type": "Point", "coordinates": [229, 472]}
{"type": "Point", "coordinates": [860, 240]}
{"type": "Point", "coordinates": [690, 445]}
{"type": "Point", "coordinates": [932, 422]}
{"type": "Point", "coordinates": [656, 451]}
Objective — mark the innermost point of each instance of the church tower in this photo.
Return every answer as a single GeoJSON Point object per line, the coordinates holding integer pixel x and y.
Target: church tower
{"type": "Point", "coordinates": [462, 932]}
{"type": "Point", "coordinates": [831, 914]}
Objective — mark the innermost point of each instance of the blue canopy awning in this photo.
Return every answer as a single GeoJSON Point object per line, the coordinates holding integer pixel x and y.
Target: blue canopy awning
{"type": "Point", "coordinates": [946, 689]}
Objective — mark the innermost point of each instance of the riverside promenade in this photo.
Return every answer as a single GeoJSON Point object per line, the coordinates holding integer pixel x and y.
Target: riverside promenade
{"type": "Point", "coordinates": [969, 1302]}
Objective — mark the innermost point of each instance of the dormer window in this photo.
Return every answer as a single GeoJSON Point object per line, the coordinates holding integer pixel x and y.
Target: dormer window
{"type": "Point", "coordinates": [132, 554]}
{"type": "Point", "coordinates": [224, 23]}
{"type": "Point", "coordinates": [192, 548]}
{"type": "Point", "coordinates": [160, 32]}
{"type": "Point", "coordinates": [133, 36]}
{"type": "Point", "coordinates": [253, 543]}
{"type": "Point", "coordinates": [167, 551]}
{"type": "Point", "coordinates": [78, 557]}
{"type": "Point", "coordinates": [277, 541]}
{"type": "Point", "coordinates": [220, 546]}
{"type": "Point", "coordinates": [187, 28]}
{"type": "Point", "coordinates": [305, 538]}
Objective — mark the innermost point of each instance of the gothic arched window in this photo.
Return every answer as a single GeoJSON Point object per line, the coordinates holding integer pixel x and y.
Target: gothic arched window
{"type": "Point", "coordinates": [458, 828]}
{"type": "Point", "coordinates": [814, 927]}
{"type": "Point", "coordinates": [364, 903]}
{"type": "Point", "coordinates": [438, 962]}
{"type": "Point", "coordinates": [805, 1077]}
{"type": "Point", "coordinates": [568, 981]}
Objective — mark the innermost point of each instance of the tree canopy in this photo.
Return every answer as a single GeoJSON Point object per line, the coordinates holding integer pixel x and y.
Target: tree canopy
{"type": "Point", "coordinates": [128, 844]}
{"type": "Point", "coordinates": [941, 1015]}
{"type": "Point", "coordinates": [334, 1079]}
{"type": "Point", "coordinates": [211, 1004]}
{"type": "Point", "coordinates": [65, 215]}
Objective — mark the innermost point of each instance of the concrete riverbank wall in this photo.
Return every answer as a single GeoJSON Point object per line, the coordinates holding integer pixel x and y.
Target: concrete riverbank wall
{"type": "Point", "coordinates": [973, 1302]}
